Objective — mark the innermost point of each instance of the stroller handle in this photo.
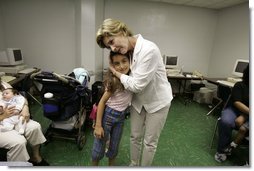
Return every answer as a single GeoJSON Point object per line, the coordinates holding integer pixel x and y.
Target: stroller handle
{"type": "Point", "coordinates": [64, 80]}
{"type": "Point", "coordinates": [59, 77]}
{"type": "Point", "coordinates": [34, 74]}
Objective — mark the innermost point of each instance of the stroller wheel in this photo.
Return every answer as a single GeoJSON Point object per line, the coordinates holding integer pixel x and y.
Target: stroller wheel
{"type": "Point", "coordinates": [81, 141]}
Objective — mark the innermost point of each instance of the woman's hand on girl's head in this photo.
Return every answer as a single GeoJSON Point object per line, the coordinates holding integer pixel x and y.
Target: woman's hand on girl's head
{"type": "Point", "coordinates": [112, 69]}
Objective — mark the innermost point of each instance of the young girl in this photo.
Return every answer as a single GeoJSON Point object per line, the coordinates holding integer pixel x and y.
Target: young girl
{"type": "Point", "coordinates": [111, 112]}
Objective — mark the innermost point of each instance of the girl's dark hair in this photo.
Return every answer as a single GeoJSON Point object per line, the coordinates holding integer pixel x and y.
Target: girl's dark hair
{"type": "Point", "coordinates": [111, 82]}
{"type": "Point", "coordinates": [246, 75]}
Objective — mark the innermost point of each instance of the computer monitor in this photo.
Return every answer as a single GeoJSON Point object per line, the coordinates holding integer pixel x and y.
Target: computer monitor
{"type": "Point", "coordinates": [171, 61]}
{"type": "Point", "coordinates": [239, 67]}
{"type": "Point", "coordinates": [11, 57]}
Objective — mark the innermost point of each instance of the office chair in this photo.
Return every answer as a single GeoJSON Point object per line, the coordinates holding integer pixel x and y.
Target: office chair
{"type": "Point", "coordinates": [223, 94]}
{"type": "Point", "coordinates": [223, 97]}
{"type": "Point", "coordinates": [217, 121]}
{"type": "Point", "coordinates": [218, 101]}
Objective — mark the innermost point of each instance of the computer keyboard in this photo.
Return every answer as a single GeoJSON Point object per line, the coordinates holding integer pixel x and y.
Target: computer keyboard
{"type": "Point", "coordinates": [233, 80]}
{"type": "Point", "coordinates": [7, 78]}
{"type": "Point", "coordinates": [27, 71]}
{"type": "Point", "coordinates": [226, 83]}
{"type": "Point", "coordinates": [174, 75]}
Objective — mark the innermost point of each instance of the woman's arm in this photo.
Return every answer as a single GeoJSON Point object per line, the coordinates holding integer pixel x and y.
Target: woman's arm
{"type": "Point", "coordinates": [25, 111]}
{"type": "Point", "coordinates": [98, 131]}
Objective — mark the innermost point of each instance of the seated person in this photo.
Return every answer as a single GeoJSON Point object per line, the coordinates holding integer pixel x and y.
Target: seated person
{"type": "Point", "coordinates": [233, 116]}
{"type": "Point", "coordinates": [16, 143]}
{"type": "Point", "coordinates": [11, 98]}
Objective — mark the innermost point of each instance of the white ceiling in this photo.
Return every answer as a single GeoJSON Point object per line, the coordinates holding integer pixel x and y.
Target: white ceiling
{"type": "Point", "coordinates": [212, 4]}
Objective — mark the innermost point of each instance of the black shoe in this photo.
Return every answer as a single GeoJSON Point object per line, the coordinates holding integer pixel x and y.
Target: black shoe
{"type": "Point", "coordinates": [41, 163]}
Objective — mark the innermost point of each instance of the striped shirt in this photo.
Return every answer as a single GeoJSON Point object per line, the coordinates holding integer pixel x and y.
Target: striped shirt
{"type": "Point", "coordinates": [120, 100]}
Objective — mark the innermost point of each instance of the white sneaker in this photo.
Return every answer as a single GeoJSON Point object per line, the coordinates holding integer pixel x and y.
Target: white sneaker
{"type": "Point", "coordinates": [220, 157]}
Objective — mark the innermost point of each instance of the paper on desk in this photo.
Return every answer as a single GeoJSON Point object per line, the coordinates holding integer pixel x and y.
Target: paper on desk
{"type": "Point", "coordinates": [7, 78]}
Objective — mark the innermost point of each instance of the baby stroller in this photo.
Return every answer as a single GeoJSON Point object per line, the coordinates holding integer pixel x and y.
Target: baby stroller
{"type": "Point", "coordinates": [64, 100]}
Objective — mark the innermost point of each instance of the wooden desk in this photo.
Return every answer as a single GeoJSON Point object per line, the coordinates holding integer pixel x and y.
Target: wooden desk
{"type": "Point", "coordinates": [22, 81]}
{"type": "Point", "coordinates": [220, 81]}
{"type": "Point", "coordinates": [181, 80]}
{"type": "Point", "coordinates": [19, 79]}
{"type": "Point", "coordinates": [223, 92]}
{"type": "Point", "coordinates": [214, 80]}
{"type": "Point", "coordinates": [16, 81]}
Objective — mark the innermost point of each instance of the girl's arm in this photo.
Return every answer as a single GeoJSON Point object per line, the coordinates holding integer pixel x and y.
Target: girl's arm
{"type": "Point", "coordinates": [98, 131]}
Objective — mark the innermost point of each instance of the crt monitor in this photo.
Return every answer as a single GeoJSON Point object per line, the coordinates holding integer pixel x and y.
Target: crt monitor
{"type": "Point", "coordinates": [171, 61]}
{"type": "Point", "coordinates": [239, 67]}
{"type": "Point", "coordinates": [11, 57]}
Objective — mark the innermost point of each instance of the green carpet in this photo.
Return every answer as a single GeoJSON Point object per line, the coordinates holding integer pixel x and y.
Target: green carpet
{"type": "Point", "coordinates": [184, 141]}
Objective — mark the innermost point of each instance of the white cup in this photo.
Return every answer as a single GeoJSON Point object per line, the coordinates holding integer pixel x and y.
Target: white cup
{"type": "Point", "coordinates": [48, 95]}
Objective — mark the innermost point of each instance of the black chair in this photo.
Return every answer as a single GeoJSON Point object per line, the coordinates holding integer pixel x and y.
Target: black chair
{"type": "Point", "coordinates": [217, 121]}
{"type": "Point", "coordinates": [223, 94]}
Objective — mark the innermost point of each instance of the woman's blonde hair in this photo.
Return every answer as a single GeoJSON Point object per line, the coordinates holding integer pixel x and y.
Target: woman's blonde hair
{"type": "Point", "coordinates": [111, 27]}
{"type": "Point", "coordinates": [111, 82]}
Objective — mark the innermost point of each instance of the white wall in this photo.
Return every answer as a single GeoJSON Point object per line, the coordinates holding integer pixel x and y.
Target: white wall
{"type": "Point", "coordinates": [91, 55]}
{"type": "Point", "coordinates": [59, 35]}
{"type": "Point", "coordinates": [45, 30]}
{"type": "Point", "coordinates": [56, 35]}
{"type": "Point", "coordinates": [204, 39]}
{"type": "Point", "coordinates": [187, 32]}
{"type": "Point", "coordinates": [2, 37]}
{"type": "Point", "coordinates": [231, 40]}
